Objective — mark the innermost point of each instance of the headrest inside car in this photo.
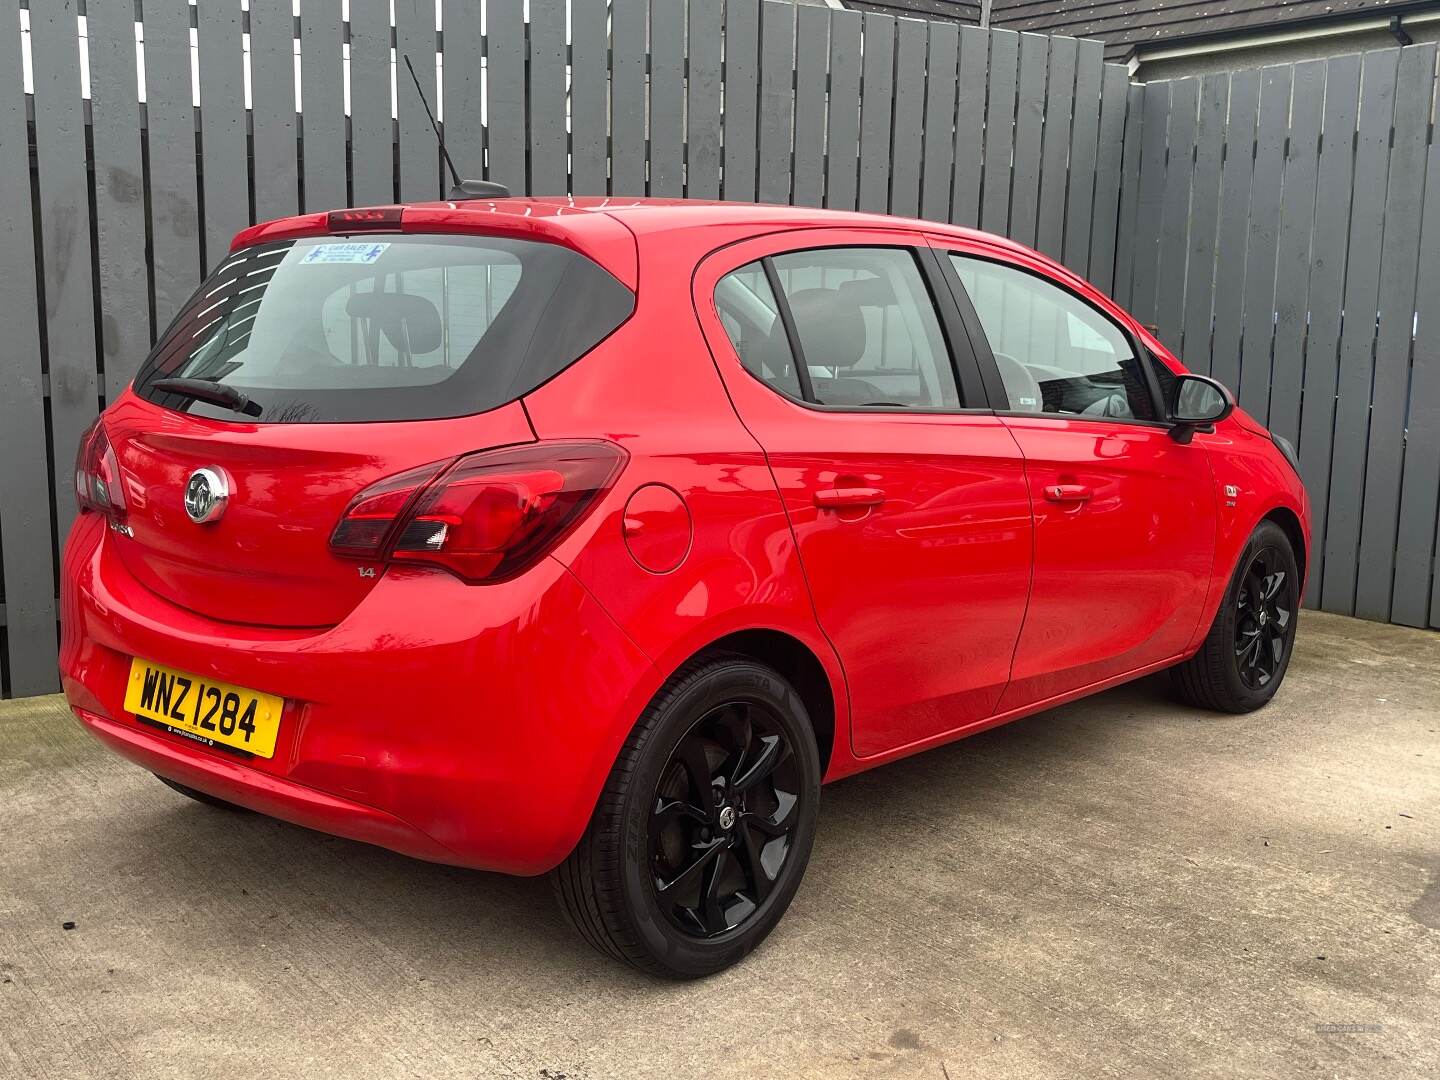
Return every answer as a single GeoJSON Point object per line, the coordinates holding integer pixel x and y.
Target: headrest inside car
{"type": "Point", "coordinates": [867, 292]}
{"type": "Point", "coordinates": [410, 323]}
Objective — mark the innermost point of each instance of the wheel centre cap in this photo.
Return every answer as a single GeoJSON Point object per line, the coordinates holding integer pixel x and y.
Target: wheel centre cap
{"type": "Point", "coordinates": [1264, 616]}
{"type": "Point", "coordinates": [727, 817]}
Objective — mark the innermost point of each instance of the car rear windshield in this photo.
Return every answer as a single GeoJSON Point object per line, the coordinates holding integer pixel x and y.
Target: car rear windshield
{"type": "Point", "coordinates": [385, 327]}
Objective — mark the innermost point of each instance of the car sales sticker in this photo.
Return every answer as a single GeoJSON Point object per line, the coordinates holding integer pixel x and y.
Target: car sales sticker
{"type": "Point", "coordinates": [344, 253]}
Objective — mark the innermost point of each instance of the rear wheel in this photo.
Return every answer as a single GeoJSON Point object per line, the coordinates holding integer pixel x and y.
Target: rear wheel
{"type": "Point", "coordinates": [704, 828]}
{"type": "Point", "coordinates": [199, 796]}
{"type": "Point", "coordinates": [1247, 652]}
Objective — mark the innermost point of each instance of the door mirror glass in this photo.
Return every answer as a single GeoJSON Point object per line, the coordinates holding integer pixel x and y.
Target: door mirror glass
{"type": "Point", "coordinates": [1200, 400]}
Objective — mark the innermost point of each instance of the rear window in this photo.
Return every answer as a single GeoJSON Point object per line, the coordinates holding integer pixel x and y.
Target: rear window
{"type": "Point", "coordinates": [385, 327]}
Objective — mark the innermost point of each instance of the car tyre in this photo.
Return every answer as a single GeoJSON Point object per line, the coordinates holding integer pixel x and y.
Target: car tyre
{"type": "Point", "coordinates": [1243, 659]}
{"type": "Point", "coordinates": [702, 833]}
{"type": "Point", "coordinates": [200, 796]}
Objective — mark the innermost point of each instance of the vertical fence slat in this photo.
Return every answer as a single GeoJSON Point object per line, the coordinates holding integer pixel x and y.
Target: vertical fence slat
{"type": "Point", "coordinates": [812, 47]}
{"type": "Point", "coordinates": [505, 84]}
{"type": "Point", "coordinates": [1384, 457]}
{"type": "Point", "coordinates": [222, 125]}
{"type": "Point", "coordinates": [970, 106]}
{"type": "Point", "coordinates": [1292, 267]}
{"type": "Point", "coordinates": [1357, 334]}
{"type": "Point", "coordinates": [1150, 203]}
{"type": "Point", "coordinates": [1417, 600]}
{"type": "Point", "coordinates": [1204, 223]}
{"type": "Point", "coordinates": [667, 99]}
{"type": "Point", "coordinates": [1055, 150]}
{"type": "Point", "coordinates": [1129, 192]}
{"type": "Point", "coordinates": [1234, 226]}
{"type": "Point", "coordinates": [877, 102]}
{"type": "Point", "coordinates": [549, 171]}
{"type": "Point", "coordinates": [461, 80]}
{"type": "Point", "coordinates": [777, 100]}
{"type": "Point", "coordinates": [1171, 268]}
{"type": "Point", "coordinates": [119, 195]}
{"type": "Point", "coordinates": [1084, 133]}
{"type": "Point", "coordinates": [627, 101]}
{"type": "Point", "coordinates": [942, 65]}
{"type": "Point", "coordinates": [1327, 287]}
{"type": "Point", "coordinates": [1105, 217]}
{"type": "Point", "coordinates": [372, 131]}
{"type": "Point", "coordinates": [842, 119]}
{"type": "Point", "coordinates": [590, 94]}
{"type": "Point", "coordinates": [702, 111]}
{"type": "Point", "coordinates": [272, 108]}
{"type": "Point", "coordinates": [1029, 128]}
{"type": "Point", "coordinates": [908, 129]}
{"type": "Point", "coordinates": [322, 98]}
{"type": "Point", "coordinates": [1262, 242]}
{"type": "Point", "coordinates": [999, 130]}
{"type": "Point", "coordinates": [419, 153]}
{"type": "Point", "coordinates": [742, 68]}
{"type": "Point", "coordinates": [24, 486]}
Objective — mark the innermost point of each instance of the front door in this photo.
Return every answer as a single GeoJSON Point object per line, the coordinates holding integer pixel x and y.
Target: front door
{"type": "Point", "coordinates": [1124, 514]}
{"type": "Point", "coordinates": [907, 503]}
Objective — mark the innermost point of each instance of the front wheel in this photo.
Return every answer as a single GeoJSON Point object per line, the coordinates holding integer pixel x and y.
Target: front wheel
{"type": "Point", "coordinates": [702, 833]}
{"type": "Point", "coordinates": [1247, 652]}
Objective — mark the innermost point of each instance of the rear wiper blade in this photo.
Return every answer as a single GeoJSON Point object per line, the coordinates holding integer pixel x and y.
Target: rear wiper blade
{"type": "Point", "coordinates": [212, 393]}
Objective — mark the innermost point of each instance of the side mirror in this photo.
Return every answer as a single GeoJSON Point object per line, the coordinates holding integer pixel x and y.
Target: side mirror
{"type": "Point", "coordinates": [1197, 402]}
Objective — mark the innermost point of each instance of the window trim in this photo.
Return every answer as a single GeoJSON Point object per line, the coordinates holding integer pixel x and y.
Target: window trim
{"type": "Point", "coordinates": [968, 378]}
{"type": "Point", "coordinates": [990, 371]}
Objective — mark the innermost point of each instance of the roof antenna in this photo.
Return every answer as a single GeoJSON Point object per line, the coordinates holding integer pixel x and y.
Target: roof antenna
{"type": "Point", "coordinates": [462, 189]}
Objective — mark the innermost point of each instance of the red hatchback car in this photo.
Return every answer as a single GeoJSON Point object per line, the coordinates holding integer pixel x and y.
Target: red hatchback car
{"type": "Point", "coordinates": [593, 537]}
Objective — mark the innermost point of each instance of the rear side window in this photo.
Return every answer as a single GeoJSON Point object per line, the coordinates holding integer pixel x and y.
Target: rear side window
{"type": "Point", "coordinates": [393, 327]}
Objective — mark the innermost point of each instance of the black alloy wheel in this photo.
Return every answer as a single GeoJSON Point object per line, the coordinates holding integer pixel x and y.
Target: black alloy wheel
{"type": "Point", "coordinates": [1264, 608]}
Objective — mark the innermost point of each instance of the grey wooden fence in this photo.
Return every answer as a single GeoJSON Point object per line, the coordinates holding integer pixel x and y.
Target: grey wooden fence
{"type": "Point", "coordinates": [1281, 233]}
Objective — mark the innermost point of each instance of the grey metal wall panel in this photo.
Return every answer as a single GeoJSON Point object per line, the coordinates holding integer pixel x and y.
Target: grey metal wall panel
{"type": "Point", "coordinates": [999, 130]}
{"type": "Point", "coordinates": [1105, 215]}
{"type": "Point", "coordinates": [220, 63]}
{"type": "Point", "coordinates": [1126, 218]}
{"type": "Point", "coordinates": [667, 99]}
{"type": "Point", "coordinates": [842, 119]}
{"type": "Point", "coordinates": [25, 491]}
{"type": "Point", "coordinates": [549, 144]}
{"type": "Point", "coordinates": [970, 108]}
{"type": "Point", "coordinates": [627, 97]}
{"type": "Point", "coordinates": [877, 102]}
{"type": "Point", "coordinates": [702, 100]}
{"type": "Point", "coordinates": [1357, 334]}
{"type": "Point", "coordinates": [1292, 267]}
{"type": "Point", "coordinates": [908, 130]}
{"type": "Point", "coordinates": [812, 51]}
{"type": "Point", "coordinates": [1417, 587]}
{"type": "Point", "coordinates": [777, 100]}
{"type": "Point", "coordinates": [462, 102]}
{"type": "Point", "coordinates": [942, 67]}
{"type": "Point", "coordinates": [742, 67]}
{"type": "Point", "coordinates": [122, 273]}
{"type": "Point", "coordinates": [272, 96]}
{"type": "Point", "coordinates": [1171, 268]}
{"type": "Point", "coordinates": [1234, 227]}
{"type": "Point", "coordinates": [1262, 242]}
{"type": "Point", "coordinates": [590, 94]}
{"type": "Point", "coordinates": [1204, 222]}
{"type": "Point", "coordinates": [505, 84]}
{"type": "Point", "coordinates": [322, 98]}
{"type": "Point", "coordinates": [1055, 150]}
{"type": "Point", "coordinates": [1084, 133]}
{"type": "Point", "coordinates": [372, 128]}
{"type": "Point", "coordinates": [1029, 128]}
{"type": "Point", "coordinates": [1327, 286]}
{"type": "Point", "coordinates": [1149, 205]}
{"type": "Point", "coordinates": [1384, 458]}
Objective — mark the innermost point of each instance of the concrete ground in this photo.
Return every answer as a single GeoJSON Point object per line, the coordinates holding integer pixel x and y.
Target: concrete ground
{"type": "Point", "coordinates": [1120, 887]}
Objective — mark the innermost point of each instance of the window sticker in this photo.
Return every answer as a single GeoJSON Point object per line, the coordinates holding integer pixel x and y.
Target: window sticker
{"type": "Point", "coordinates": [344, 253]}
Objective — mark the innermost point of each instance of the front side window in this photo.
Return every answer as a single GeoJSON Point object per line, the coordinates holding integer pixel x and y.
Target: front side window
{"type": "Point", "coordinates": [1056, 353]}
{"type": "Point", "coordinates": [864, 324]}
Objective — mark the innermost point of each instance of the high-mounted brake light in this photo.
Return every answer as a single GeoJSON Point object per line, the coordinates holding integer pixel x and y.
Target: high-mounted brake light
{"type": "Point", "coordinates": [97, 475]}
{"type": "Point", "coordinates": [487, 516]}
{"type": "Point", "coordinates": [365, 219]}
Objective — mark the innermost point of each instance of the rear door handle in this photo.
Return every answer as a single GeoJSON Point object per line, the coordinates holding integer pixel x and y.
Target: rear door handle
{"type": "Point", "coordinates": [1068, 493]}
{"type": "Point", "coordinates": [848, 498]}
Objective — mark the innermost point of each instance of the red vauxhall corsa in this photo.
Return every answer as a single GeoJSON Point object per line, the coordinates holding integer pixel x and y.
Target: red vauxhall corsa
{"type": "Point", "coordinates": [577, 536]}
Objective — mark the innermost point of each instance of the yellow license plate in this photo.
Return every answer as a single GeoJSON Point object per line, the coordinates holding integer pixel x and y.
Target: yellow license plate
{"type": "Point", "coordinates": [203, 709]}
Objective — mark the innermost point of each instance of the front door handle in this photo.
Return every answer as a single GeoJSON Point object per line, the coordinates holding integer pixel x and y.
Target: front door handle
{"type": "Point", "coordinates": [1068, 493]}
{"type": "Point", "coordinates": [848, 498]}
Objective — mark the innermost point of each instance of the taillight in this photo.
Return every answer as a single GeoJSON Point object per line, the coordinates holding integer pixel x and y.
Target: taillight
{"type": "Point", "coordinates": [487, 516]}
{"type": "Point", "coordinates": [97, 474]}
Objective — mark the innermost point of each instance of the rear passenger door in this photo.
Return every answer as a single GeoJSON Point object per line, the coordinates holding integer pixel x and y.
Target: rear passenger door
{"type": "Point", "coordinates": [906, 496]}
{"type": "Point", "coordinates": [1124, 514]}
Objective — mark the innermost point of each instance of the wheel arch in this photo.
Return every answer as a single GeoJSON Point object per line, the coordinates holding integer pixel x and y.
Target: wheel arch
{"type": "Point", "coordinates": [1289, 522]}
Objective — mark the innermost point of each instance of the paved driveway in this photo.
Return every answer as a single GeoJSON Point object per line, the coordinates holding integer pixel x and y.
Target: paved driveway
{"type": "Point", "coordinates": [1119, 887]}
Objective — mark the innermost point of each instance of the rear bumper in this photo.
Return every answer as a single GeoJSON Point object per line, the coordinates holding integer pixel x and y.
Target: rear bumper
{"type": "Point", "coordinates": [466, 725]}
